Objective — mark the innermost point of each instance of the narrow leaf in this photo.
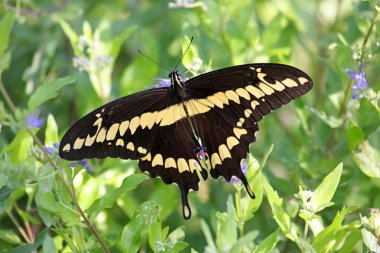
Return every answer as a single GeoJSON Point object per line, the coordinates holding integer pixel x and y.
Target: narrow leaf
{"type": "Point", "coordinates": [108, 200]}
{"type": "Point", "coordinates": [325, 191]}
{"type": "Point", "coordinates": [50, 90]}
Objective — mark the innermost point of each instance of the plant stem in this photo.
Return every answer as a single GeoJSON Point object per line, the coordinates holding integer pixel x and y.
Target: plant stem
{"type": "Point", "coordinates": [56, 169]}
{"type": "Point", "coordinates": [18, 226]}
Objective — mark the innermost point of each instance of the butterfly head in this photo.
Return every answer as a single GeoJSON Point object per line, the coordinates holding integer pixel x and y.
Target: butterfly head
{"type": "Point", "coordinates": [176, 79]}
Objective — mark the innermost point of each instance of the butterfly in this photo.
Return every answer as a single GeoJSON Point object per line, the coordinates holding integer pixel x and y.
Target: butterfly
{"type": "Point", "coordinates": [191, 128]}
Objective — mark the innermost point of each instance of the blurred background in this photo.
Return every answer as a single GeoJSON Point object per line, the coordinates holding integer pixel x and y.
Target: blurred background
{"type": "Point", "coordinates": [61, 59]}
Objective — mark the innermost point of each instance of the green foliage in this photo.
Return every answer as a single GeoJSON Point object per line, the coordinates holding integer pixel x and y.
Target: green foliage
{"type": "Point", "coordinates": [318, 179]}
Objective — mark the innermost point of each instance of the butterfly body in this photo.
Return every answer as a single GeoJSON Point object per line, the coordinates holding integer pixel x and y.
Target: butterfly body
{"type": "Point", "coordinates": [180, 131]}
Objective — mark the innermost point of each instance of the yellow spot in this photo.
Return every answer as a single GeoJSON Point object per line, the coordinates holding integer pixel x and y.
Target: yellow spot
{"type": "Point", "coordinates": [66, 148]}
{"type": "Point", "coordinates": [195, 107]}
{"type": "Point", "coordinates": [170, 163]}
{"type": "Point", "coordinates": [90, 139]}
{"type": "Point", "coordinates": [157, 160]}
{"type": "Point", "coordinates": [152, 120]}
{"type": "Point", "coordinates": [239, 132]}
{"type": "Point", "coordinates": [266, 89]}
{"type": "Point", "coordinates": [160, 115]}
{"type": "Point", "coordinates": [192, 166]}
{"type": "Point", "coordinates": [206, 102]}
{"type": "Point", "coordinates": [224, 152]}
{"type": "Point", "coordinates": [302, 80]}
{"type": "Point", "coordinates": [277, 86]}
{"type": "Point", "coordinates": [254, 91]}
{"type": "Point", "coordinates": [78, 143]}
{"type": "Point", "coordinates": [173, 114]}
{"type": "Point", "coordinates": [254, 104]}
{"type": "Point", "coordinates": [98, 115]}
{"type": "Point", "coordinates": [186, 212]}
{"type": "Point", "coordinates": [232, 142]}
{"type": "Point", "coordinates": [231, 95]}
{"type": "Point", "coordinates": [289, 83]}
{"type": "Point", "coordinates": [182, 165]}
{"type": "Point", "coordinates": [130, 146]}
{"type": "Point", "coordinates": [218, 99]}
{"type": "Point", "coordinates": [134, 124]}
{"type": "Point", "coordinates": [111, 134]}
{"type": "Point", "coordinates": [241, 122]}
{"type": "Point", "coordinates": [123, 127]}
{"type": "Point", "coordinates": [145, 119]}
{"type": "Point", "coordinates": [258, 70]}
{"type": "Point", "coordinates": [148, 157]}
{"type": "Point", "coordinates": [120, 142]}
{"type": "Point", "coordinates": [247, 113]}
{"type": "Point", "coordinates": [215, 160]}
{"type": "Point", "coordinates": [101, 135]}
{"type": "Point", "coordinates": [141, 150]}
{"type": "Point", "coordinates": [243, 93]}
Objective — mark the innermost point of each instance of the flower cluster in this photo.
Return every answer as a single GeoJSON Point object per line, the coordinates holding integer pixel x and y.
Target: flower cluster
{"type": "Point", "coordinates": [361, 82]}
{"type": "Point", "coordinates": [180, 4]}
{"type": "Point", "coordinates": [51, 150]}
{"type": "Point", "coordinates": [84, 164]}
{"type": "Point", "coordinates": [88, 60]}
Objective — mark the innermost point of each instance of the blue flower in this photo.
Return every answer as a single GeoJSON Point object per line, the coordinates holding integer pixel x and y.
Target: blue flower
{"type": "Point", "coordinates": [34, 122]}
{"type": "Point", "coordinates": [83, 164]}
{"type": "Point", "coordinates": [48, 150]}
{"type": "Point", "coordinates": [244, 169]}
{"type": "Point", "coordinates": [361, 82]}
{"type": "Point", "coordinates": [162, 82]}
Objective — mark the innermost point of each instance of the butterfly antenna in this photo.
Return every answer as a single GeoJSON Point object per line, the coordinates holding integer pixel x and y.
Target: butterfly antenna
{"type": "Point", "coordinates": [150, 59]}
{"type": "Point", "coordinates": [191, 41]}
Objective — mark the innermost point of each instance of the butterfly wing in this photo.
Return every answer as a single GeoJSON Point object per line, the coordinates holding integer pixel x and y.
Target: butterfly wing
{"type": "Point", "coordinates": [238, 98]}
{"type": "Point", "coordinates": [116, 129]}
{"type": "Point", "coordinates": [148, 126]}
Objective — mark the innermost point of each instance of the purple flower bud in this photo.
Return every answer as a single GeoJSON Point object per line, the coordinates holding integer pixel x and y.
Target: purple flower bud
{"type": "Point", "coordinates": [83, 163]}
{"type": "Point", "coordinates": [73, 164]}
{"type": "Point", "coordinates": [90, 169]}
{"type": "Point", "coordinates": [48, 150]}
{"type": "Point", "coordinates": [56, 145]}
{"type": "Point", "coordinates": [34, 122]}
{"type": "Point", "coordinates": [361, 82]}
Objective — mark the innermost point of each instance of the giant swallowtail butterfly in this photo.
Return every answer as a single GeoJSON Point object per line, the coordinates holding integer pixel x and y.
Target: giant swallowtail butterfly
{"type": "Point", "coordinates": [181, 131]}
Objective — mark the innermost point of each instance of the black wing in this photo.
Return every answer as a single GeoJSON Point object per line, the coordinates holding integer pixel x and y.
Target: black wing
{"type": "Point", "coordinates": [238, 98]}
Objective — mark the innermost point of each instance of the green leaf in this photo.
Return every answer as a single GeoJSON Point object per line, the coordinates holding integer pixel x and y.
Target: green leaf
{"type": "Point", "coordinates": [227, 233]}
{"type": "Point", "coordinates": [354, 135]}
{"type": "Point", "coordinates": [368, 117]}
{"type": "Point", "coordinates": [241, 244]}
{"type": "Point", "coordinates": [268, 244]}
{"type": "Point", "coordinates": [48, 246]}
{"type": "Point", "coordinates": [325, 191]}
{"type": "Point", "coordinates": [51, 133]}
{"type": "Point", "coordinates": [207, 234]}
{"type": "Point", "coordinates": [108, 200]}
{"type": "Point", "coordinates": [6, 24]}
{"type": "Point", "coordinates": [19, 147]}
{"type": "Point", "coordinates": [46, 201]}
{"type": "Point", "coordinates": [325, 240]}
{"type": "Point", "coordinates": [23, 248]}
{"type": "Point", "coordinates": [145, 215]}
{"type": "Point", "coordinates": [9, 236]}
{"type": "Point", "coordinates": [73, 37]}
{"type": "Point", "coordinates": [279, 214]}
{"type": "Point", "coordinates": [367, 159]}
{"type": "Point", "coordinates": [50, 90]}
{"type": "Point", "coordinates": [5, 192]}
